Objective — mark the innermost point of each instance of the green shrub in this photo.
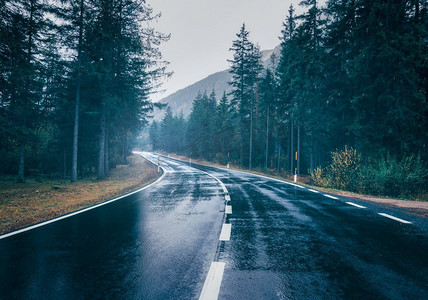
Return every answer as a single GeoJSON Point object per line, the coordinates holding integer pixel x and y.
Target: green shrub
{"type": "Point", "coordinates": [343, 171]}
{"type": "Point", "coordinates": [319, 177]}
{"type": "Point", "coordinates": [387, 176]}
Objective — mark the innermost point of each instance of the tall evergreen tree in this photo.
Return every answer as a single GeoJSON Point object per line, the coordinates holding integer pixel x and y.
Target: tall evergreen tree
{"type": "Point", "coordinates": [245, 70]}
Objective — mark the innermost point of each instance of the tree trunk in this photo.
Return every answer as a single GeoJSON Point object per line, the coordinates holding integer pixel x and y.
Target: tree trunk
{"type": "Point", "coordinates": [124, 147]}
{"type": "Point", "coordinates": [298, 150]}
{"type": "Point", "coordinates": [267, 138]}
{"type": "Point", "coordinates": [251, 135]}
{"type": "Point", "coordinates": [25, 97]}
{"type": "Point", "coordinates": [241, 157]}
{"type": "Point", "coordinates": [21, 162]}
{"type": "Point", "coordinates": [77, 99]}
{"type": "Point", "coordinates": [312, 154]}
{"type": "Point", "coordinates": [106, 154]}
{"type": "Point", "coordinates": [101, 151]}
{"type": "Point", "coordinates": [291, 148]}
{"type": "Point", "coordinates": [64, 164]}
{"type": "Point", "coordinates": [76, 132]}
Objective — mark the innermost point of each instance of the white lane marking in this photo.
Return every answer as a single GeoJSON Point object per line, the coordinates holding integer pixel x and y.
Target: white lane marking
{"type": "Point", "coordinates": [313, 191]}
{"type": "Point", "coordinates": [225, 232]}
{"type": "Point", "coordinates": [212, 283]}
{"type": "Point", "coordinates": [80, 211]}
{"type": "Point", "coordinates": [228, 209]}
{"type": "Point", "coordinates": [223, 187]}
{"type": "Point", "coordinates": [356, 205]}
{"type": "Point", "coordinates": [332, 197]}
{"type": "Point", "coordinates": [395, 218]}
{"type": "Point", "coordinates": [296, 185]}
{"type": "Point", "coordinates": [227, 197]}
{"type": "Point", "coordinates": [247, 173]}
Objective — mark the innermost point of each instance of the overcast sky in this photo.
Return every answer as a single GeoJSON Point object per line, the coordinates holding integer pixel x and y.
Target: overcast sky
{"type": "Point", "coordinates": [202, 32]}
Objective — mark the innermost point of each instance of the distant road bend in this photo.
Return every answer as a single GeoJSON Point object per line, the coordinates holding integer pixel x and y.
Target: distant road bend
{"type": "Point", "coordinates": [207, 233]}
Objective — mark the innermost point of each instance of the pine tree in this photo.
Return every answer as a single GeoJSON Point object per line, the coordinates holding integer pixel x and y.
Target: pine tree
{"type": "Point", "coordinates": [23, 29]}
{"type": "Point", "coordinates": [266, 106]}
{"type": "Point", "coordinates": [245, 69]}
{"type": "Point", "coordinates": [154, 136]}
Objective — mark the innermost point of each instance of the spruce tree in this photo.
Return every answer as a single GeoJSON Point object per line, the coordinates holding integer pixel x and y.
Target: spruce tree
{"type": "Point", "coordinates": [245, 70]}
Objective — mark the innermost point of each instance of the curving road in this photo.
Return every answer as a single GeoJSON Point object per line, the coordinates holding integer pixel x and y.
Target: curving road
{"type": "Point", "coordinates": [156, 244]}
{"type": "Point", "coordinates": [285, 242]}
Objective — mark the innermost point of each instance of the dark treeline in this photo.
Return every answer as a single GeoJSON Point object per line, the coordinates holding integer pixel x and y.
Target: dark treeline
{"type": "Point", "coordinates": [353, 73]}
{"type": "Point", "coordinates": [75, 77]}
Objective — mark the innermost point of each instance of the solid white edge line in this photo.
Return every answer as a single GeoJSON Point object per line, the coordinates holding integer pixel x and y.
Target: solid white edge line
{"type": "Point", "coordinates": [227, 198]}
{"type": "Point", "coordinates": [228, 210]}
{"type": "Point", "coordinates": [225, 232]}
{"type": "Point", "coordinates": [395, 218]}
{"type": "Point", "coordinates": [212, 284]}
{"type": "Point", "coordinates": [356, 205]}
{"type": "Point", "coordinates": [332, 197]}
{"type": "Point", "coordinates": [313, 191]}
{"type": "Point", "coordinates": [80, 211]}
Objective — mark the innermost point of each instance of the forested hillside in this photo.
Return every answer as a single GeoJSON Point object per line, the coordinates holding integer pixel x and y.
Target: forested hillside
{"type": "Point", "coordinates": [351, 79]}
{"type": "Point", "coordinates": [181, 101]}
{"type": "Point", "coordinates": [75, 80]}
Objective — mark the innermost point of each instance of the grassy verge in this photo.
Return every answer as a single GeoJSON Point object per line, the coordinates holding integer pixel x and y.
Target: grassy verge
{"type": "Point", "coordinates": [419, 207]}
{"type": "Point", "coordinates": [24, 204]}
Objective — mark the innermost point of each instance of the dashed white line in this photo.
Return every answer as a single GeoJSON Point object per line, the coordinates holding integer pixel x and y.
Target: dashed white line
{"type": "Point", "coordinates": [225, 232]}
{"type": "Point", "coordinates": [227, 198]}
{"type": "Point", "coordinates": [395, 218]}
{"type": "Point", "coordinates": [313, 191]}
{"type": "Point", "coordinates": [332, 197]}
{"type": "Point", "coordinates": [228, 210]}
{"type": "Point", "coordinates": [356, 205]}
{"type": "Point", "coordinates": [212, 283]}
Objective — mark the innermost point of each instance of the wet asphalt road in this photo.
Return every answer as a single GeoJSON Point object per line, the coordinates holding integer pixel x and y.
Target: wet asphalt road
{"type": "Point", "coordinates": [286, 242]}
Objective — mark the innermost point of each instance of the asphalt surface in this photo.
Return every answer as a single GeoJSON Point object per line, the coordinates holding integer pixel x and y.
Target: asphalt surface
{"type": "Point", "coordinates": [286, 242]}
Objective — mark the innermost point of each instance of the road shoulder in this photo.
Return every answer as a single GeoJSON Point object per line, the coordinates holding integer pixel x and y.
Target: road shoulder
{"type": "Point", "coordinates": [419, 208]}
{"type": "Point", "coordinates": [26, 204]}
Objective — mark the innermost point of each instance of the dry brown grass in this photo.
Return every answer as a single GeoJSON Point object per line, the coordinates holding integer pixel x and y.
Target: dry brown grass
{"type": "Point", "coordinates": [24, 204]}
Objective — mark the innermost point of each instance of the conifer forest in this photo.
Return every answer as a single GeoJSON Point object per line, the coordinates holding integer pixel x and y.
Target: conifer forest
{"type": "Point", "coordinates": [345, 101]}
{"type": "Point", "coordinates": [75, 83]}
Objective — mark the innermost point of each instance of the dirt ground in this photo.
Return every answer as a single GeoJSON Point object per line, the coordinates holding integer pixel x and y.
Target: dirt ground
{"type": "Point", "coordinates": [36, 200]}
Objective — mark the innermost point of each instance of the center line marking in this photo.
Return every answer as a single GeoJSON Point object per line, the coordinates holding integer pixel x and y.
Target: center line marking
{"type": "Point", "coordinates": [227, 197]}
{"type": "Point", "coordinates": [225, 232]}
{"type": "Point", "coordinates": [212, 283]}
{"type": "Point", "coordinates": [395, 218]}
{"type": "Point", "coordinates": [228, 209]}
{"type": "Point", "coordinates": [332, 197]}
{"type": "Point", "coordinates": [356, 205]}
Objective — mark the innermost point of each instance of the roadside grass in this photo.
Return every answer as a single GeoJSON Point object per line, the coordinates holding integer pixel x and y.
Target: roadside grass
{"type": "Point", "coordinates": [38, 200]}
{"type": "Point", "coordinates": [419, 204]}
